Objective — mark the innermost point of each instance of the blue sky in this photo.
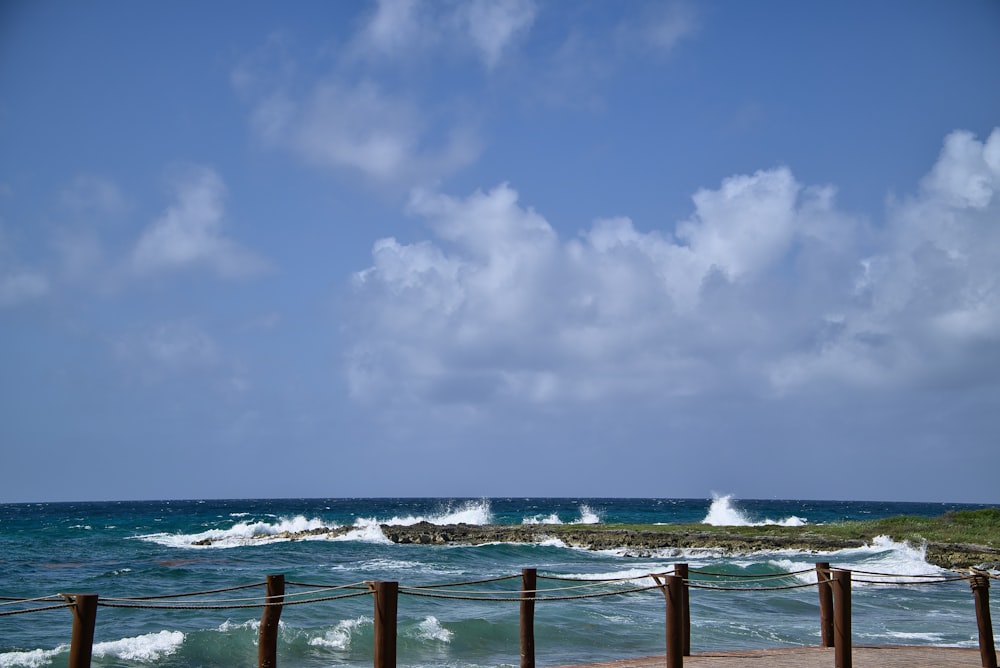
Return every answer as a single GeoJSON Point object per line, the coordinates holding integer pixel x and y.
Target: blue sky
{"type": "Point", "coordinates": [499, 248]}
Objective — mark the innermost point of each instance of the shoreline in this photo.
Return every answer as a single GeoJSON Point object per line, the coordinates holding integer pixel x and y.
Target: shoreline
{"type": "Point", "coordinates": [641, 542]}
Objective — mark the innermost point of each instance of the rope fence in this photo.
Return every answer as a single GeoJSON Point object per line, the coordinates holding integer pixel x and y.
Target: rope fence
{"type": "Point", "coordinates": [833, 584]}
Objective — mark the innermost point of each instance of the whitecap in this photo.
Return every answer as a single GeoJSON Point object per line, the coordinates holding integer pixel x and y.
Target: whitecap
{"type": "Point", "coordinates": [471, 512]}
{"type": "Point", "coordinates": [340, 636]}
{"type": "Point", "coordinates": [32, 659]}
{"type": "Point", "coordinates": [241, 534]}
{"type": "Point", "coordinates": [149, 647]}
{"type": "Point", "coordinates": [430, 629]}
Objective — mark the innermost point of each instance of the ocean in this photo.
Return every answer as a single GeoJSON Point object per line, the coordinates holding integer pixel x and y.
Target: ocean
{"type": "Point", "coordinates": [130, 549]}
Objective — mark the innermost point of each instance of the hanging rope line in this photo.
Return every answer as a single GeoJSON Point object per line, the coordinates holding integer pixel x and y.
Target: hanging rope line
{"type": "Point", "coordinates": [751, 575]}
{"type": "Point", "coordinates": [190, 593]}
{"type": "Point", "coordinates": [318, 593]}
{"type": "Point", "coordinates": [8, 613]}
{"type": "Point", "coordinates": [516, 597]}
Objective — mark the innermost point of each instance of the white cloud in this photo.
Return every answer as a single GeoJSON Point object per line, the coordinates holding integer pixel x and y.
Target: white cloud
{"type": "Point", "coordinates": [927, 305]}
{"type": "Point", "coordinates": [766, 286]}
{"type": "Point", "coordinates": [659, 27]}
{"type": "Point", "coordinates": [190, 233]}
{"type": "Point", "coordinates": [93, 194]}
{"type": "Point", "coordinates": [493, 25]}
{"type": "Point", "coordinates": [395, 27]}
{"type": "Point", "coordinates": [20, 286]}
{"type": "Point", "coordinates": [399, 29]}
{"type": "Point", "coordinates": [363, 129]}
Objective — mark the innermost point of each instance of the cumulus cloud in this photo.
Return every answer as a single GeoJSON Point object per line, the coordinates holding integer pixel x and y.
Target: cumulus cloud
{"type": "Point", "coordinates": [926, 308]}
{"type": "Point", "coordinates": [766, 286]}
{"type": "Point", "coordinates": [190, 233]}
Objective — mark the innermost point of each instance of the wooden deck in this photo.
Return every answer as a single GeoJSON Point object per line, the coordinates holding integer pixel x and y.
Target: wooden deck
{"type": "Point", "coordinates": [814, 657]}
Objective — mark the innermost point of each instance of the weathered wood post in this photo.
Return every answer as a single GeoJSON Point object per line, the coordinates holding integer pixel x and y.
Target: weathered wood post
{"type": "Point", "coordinates": [825, 603]}
{"type": "Point", "coordinates": [981, 591]}
{"type": "Point", "coordinates": [842, 619]}
{"type": "Point", "coordinates": [671, 586]}
{"type": "Point", "coordinates": [681, 571]}
{"type": "Point", "coordinates": [267, 645]}
{"type": "Point", "coordinates": [84, 607]}
{"type": "Point", "coordinates": [528, 587]}
{"type": "Point", "coordinates": [386, 601]}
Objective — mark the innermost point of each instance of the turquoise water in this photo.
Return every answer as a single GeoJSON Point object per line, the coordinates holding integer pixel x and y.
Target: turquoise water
{"type": "Point", "coordinates": [130, 549]}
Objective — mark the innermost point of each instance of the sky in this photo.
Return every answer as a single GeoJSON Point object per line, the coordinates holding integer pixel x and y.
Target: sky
{"type": "Point", "coordinates": [500, 248]}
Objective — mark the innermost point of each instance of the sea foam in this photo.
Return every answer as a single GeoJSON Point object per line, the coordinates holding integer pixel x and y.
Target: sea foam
{"type": "Point", "coordinates": [149, 647]}
{"type": "Point", "coordinates": [241, 533]}
{"type": "Point", "coordinates": [33, 659]}
{"type": "Point", "coordinates": [471, 512]}
{"type": "Point", "coordinates": [430, 629]}
{"type": "Point", "coordinates": [722, 512]}
{"type": "Point", "coordinates": [587, 516]}
{"type": "Point", "coordinates": [340, 636]}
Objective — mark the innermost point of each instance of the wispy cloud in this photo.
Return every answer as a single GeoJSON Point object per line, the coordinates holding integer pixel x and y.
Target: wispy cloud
{"type": "Point", "coordinates": [363, 129]}
{"type": "Point", "coordinates": [190, 233]}
{"type": "Point", "coordinates": [19, 284]}
{"type": "Point", "coordinates": [93, 194]}
{"type": "Point", "coordinates": [401, 29]}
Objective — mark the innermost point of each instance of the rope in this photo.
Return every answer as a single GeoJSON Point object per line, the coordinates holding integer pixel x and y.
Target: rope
{"type": "Point", "coordinates": [192, 593]}
{"type": "Point", "coordinates": [320, 589]}
{"type": "Point", "coordinates": [354, 585]}
{"type": "Point", "coordinates": [519, 598]}
{"type": "Point", "coordinates": [213, 606]}
{"type": "Point", "coordinates": [893, 575]}
{"type": "Point", "coordinates": [565, 579]}
{"type": "Point", "coordinates": [30, 610]}
{"type": "Point", "coordinates": [593, 583]}
{"type": "Point", "coordinates": [762, 576]}
{"type": "Point", "coordinates": [470, 582]}
{"type": "Point", "coordinates": [925, 582]}
{"type": "Point", "coordinates": [702, 586]}
{"type": "Point", "coordinates": [752, 579]}
{"type": "Point", "coordinates": [9, 600]}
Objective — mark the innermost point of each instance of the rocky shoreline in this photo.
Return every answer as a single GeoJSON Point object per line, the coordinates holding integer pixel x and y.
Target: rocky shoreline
{"type": "Point", "coordinates": [640, 543]}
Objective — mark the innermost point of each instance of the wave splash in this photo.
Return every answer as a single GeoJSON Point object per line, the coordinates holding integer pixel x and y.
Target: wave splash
{"type": "Point", "coordinates": [149, 647]}
{"type": "Point", "coordinates": [240, 534]}
{"type": "Point", "coordinates": [722, 512]}
{"type": "Point", "coordinates": [587, 516]}
{"type": "Point", "coordinates": [364, 529]}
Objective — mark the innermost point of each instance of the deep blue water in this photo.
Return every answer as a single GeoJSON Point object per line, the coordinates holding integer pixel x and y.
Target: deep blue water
{"type": "Point", "coordinates": [129, 549]}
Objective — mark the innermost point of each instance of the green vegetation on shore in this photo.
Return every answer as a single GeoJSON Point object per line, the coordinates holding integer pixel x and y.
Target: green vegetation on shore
{"type": "Point", "coordinates": [966, 527]}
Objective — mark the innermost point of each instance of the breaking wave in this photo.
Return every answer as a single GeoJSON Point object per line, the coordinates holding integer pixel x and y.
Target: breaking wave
{"type": "Point", "coordinates": [722, 512]}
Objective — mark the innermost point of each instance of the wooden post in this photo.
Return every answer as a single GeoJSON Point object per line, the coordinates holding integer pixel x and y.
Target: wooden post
{"type": "Point", "coordinates": [825, 603]}
{"type": "Point", "coordinates": [681, 571]}
{"type": "Point", "coordinates": [842, 619]}
{"type": "Point", "coordinates": [267, 645]}
{"type": "Point", "coordinates": [386, 600]}
{"type": "Point", "coordinates": [528, 587]}
{"type": "Point", "coordinates": [671, 586]}
{"type": "Point", "coordinates": [84, 619]}
{"type": "Point", "coordinates": [981, 591]}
